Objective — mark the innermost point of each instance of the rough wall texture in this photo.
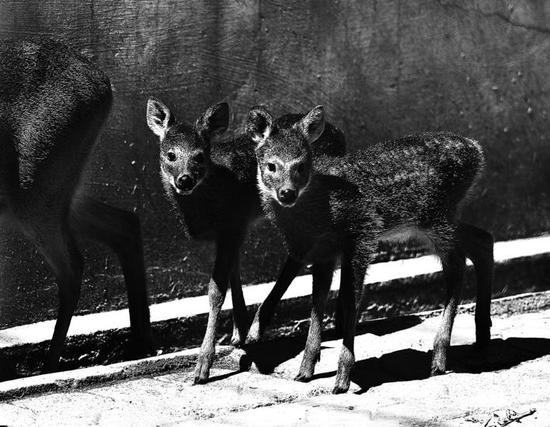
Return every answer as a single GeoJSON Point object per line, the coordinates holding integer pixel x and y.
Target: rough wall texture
{"type": "Point", "coordinates": [381, 68]}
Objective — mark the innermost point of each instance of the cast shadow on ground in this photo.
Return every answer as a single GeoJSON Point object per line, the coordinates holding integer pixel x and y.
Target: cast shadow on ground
{"type": "Point", "coordinates": [267, 355]}
{"type": "Point", "coordinates": [406, 364]}
{"type": "Point", "coordinates": [409, 364]}
{"type": "Point", "coordinates": [221, 377]}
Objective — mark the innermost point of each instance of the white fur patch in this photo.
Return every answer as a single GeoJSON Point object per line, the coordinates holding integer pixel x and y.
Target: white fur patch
{"type": "Point", "coordinates": [304, 189]}
{"type": "Point", "coordinates": [156, 124]}
{"type": "Point", "coordinates": [261, 138]}
{"type": "Point", "coordinates": [265, 191]}
{"type": "Point", "coordinates": [475, 144]}
{"type": "Point", "coordinates": [404, 234]}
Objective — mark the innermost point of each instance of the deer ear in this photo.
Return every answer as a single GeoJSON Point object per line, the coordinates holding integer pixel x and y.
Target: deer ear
{"type": "Point", "coordinates": [214, 121]}
{"type": "Point", "coordinates": [259, 124]}
{"type": "Point", "coordinates": [313, 124]}
{"type": "Point", "coordinates": [159, 117]}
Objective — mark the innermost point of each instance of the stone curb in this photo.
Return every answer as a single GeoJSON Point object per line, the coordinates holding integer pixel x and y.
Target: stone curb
{"type": "Point", "coordinates": [69, 380]}
{"type": "Point", "coordinates": [393, 276]}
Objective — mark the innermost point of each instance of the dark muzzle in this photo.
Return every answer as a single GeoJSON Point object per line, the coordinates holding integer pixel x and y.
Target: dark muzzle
{"type": "Point", "coordinates": [185, 183]}
{"type": "Point", "coordinates": [287, 196]}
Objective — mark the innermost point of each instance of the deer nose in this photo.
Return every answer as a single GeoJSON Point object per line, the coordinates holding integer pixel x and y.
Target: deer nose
{"type": "Point", "coordinates": [184, 183]}
{"type": "Point", "coordinates": [287, 196]}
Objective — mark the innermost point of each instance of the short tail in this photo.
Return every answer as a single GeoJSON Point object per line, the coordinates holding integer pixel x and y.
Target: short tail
{"type": "Point", "coordinates": [479, 159]}
{"type": "Point", "coordinates": [476, 166]}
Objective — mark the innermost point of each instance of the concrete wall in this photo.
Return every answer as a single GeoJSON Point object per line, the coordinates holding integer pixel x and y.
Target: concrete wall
{"type": "Point", "coordinates": [381, 68]}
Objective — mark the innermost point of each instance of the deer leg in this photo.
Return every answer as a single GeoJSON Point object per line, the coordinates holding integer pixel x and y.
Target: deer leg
{"type": "Point", "coordinates": [9, 169]}
{"type": "Point", "coordinates": [478, 245]}
{"type": "Point", "coordinates": [57, 246]}
{"type": "Point", "coordinates": [352, 278]}
{"type": "Point", "coordinates": [240, 314]}
{"type": "Point", "coordinates": [322, 278]}
{"type": "Point", "coordinates": [226, 251]}
{"type": "Point", "coordinates": [265, 311]}
{"type": "Point", "coordinates": [121, 231]}
{"type": "Point", "coordinates": [454, 262]}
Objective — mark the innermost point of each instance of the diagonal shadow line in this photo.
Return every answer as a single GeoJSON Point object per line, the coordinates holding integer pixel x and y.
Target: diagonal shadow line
{"type": "Point", "coordinates": [223, 376]}
{"type": "Point", "coordinates": [267, 355]}
{"type": "Point", "coordinates": [409, 364]}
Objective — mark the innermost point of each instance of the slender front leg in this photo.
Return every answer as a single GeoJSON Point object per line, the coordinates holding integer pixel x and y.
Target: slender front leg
{"type": "Point", "coordinates": [240, 314]}
{"type": "Point", "coordinates": [454, 262]}
{"type": "Point", "coordinates": [266, 310]}
{"type": "Point", "coordinates": [352, 277]}
{"type": "Point", "coordinates": [322, 278]}
{"type": "Point", "coordinates": [226, 251]}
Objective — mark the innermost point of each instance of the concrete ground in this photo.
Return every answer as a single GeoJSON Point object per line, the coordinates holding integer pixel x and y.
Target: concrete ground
{"type": "Point", "coordinates": [390, 384]}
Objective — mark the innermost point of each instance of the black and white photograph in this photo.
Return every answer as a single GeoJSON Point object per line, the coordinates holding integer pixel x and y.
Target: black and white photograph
{"type": "Point", "coordinates": [275, 213]}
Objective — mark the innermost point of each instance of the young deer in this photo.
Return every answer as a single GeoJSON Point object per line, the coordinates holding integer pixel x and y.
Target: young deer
{"type": "Point", "coordinates": [213, 185]}
{"type": "Point", "coordinates": [406, 189]}
{"type": "Point", "coordinates": [53, 104]}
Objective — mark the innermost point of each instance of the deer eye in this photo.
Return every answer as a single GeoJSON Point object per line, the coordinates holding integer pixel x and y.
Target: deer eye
{"type": "Point", "coordinates": [199, 158]}
{"type": "Point", "coordinates": [171, 156]}
{"type": "Point", "coordinates": [271, 167]}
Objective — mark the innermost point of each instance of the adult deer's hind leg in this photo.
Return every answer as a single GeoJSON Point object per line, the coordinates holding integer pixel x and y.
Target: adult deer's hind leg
{"type": "Point", "coordinates": [121, 231]}
{"type": "Point", "coordinates": [9, 171]}
{"type": "Point", "coordinates": [56, 243]}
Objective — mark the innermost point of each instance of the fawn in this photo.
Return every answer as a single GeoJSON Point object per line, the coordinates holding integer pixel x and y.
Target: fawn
{"type": "Point", "coordinates": [212, 184]}
{"type": "Point", "coordinates": [410, 188]}
{"type": "Point", "coordinates": [53, 104]}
